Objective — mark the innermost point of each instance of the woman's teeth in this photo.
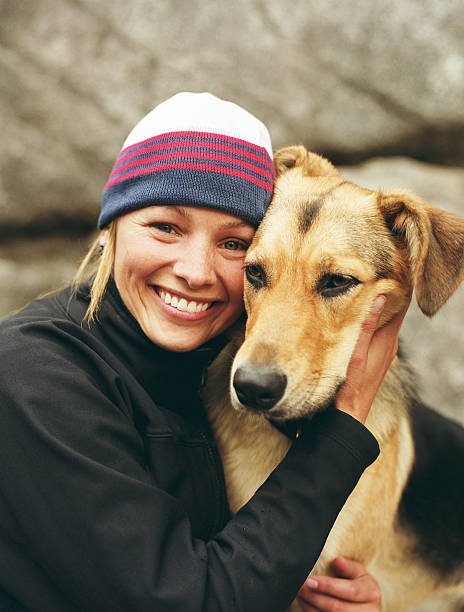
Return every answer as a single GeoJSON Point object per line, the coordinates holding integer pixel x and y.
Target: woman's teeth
{"type": "Point", "coordinates": [182, 304]}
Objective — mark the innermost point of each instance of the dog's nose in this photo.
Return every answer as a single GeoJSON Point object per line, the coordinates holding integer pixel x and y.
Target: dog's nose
{"type": "Point", "coordinates": [258, 386]}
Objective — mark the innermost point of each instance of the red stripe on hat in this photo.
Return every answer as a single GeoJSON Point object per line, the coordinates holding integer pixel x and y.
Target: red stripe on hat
{"type": "Point", "coordinates": [186, 134]}
{"type": "Point", "coordinates": [191, 154]}
{"type": "Point", "coordinates": [206, 145]}
{"type": "Point", "coordinates": [192, 166]}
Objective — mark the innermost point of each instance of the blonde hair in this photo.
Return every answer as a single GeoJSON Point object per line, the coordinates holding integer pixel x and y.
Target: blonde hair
{"type": "Point", "coordinates": [97, 264]}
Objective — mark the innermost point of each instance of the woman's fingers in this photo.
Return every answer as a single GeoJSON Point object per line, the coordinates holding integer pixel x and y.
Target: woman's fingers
{"type": "Point", "coordinates": [354, 590]}
{"type": "Point", "coordinates": [371, 358]}
{"type": "Point", "coordinates": [368, 328]}
{"type": "Point", "coordinates": [347, 568]}
{"type": "Point", "coordinates": [356, 395]}
{"type": "Point", "coordinates": [387, 334]}
{"type": "Point", "coordinates": [326, 603]}
{"type": "Point", "coordinates": [360, 590]}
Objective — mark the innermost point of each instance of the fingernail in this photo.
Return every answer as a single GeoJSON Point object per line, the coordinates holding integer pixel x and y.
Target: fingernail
{"type": "Point", "coordinates": [379, 303]}
{"type": "Point", "coordinates": [313, 584]}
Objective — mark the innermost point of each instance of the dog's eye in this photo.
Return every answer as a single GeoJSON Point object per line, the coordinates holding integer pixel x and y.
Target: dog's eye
{"type": "Point", "coordinates": [255, 275]}
{"type": "Point", "coordinates": [331, 285]}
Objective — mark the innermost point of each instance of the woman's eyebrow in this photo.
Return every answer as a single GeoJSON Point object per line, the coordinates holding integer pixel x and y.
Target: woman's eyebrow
{"type": "Point", "coordinates": [234, 224]}
{"type": "Point", "coordinates": [181, 210]}
{"type": "Point", "coordinates": [184, 211]}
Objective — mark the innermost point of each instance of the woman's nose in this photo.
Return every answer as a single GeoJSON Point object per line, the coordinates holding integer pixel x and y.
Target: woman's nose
{"type": "Point", "coordinates": [196, 267]}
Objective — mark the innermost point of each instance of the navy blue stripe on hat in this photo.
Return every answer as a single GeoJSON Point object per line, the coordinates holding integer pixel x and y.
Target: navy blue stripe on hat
{"type": "Point", "coordinates": [191, 168]}
{"type": "Point", "coordinates": [186, 187]}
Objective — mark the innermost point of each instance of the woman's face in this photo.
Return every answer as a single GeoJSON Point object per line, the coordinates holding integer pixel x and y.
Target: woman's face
{"type": "Point", "coordinates": [179, 272]}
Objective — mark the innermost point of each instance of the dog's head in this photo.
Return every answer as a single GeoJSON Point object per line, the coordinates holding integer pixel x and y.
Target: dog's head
{"type": "Point", "coordinates": [325, 249]}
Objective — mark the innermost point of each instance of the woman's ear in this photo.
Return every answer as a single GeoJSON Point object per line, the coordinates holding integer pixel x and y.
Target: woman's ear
{"type": "Point", "coordinates": [103, 238]}
{"type": "Point", "coordinates": [434, 240]}
{"type": "Point", "coordinates": [309, 163]}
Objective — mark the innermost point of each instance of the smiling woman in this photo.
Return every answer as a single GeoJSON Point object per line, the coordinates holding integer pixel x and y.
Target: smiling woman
{"type": "Point", "coordinates": [100, 387]}
{"type": "Point", "coordinates": [171, 259]}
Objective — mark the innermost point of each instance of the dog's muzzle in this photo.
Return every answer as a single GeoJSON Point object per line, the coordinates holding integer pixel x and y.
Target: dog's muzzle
{"type": "Point", "coordinates": [259, 387]}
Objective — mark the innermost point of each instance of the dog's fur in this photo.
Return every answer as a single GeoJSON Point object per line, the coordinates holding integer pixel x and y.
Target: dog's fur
{"type": "Point", "coordinates": [404, 520]}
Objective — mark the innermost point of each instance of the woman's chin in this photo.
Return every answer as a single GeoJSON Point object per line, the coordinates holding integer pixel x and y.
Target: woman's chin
{"type": "Point", "coordinates": [177, 340]}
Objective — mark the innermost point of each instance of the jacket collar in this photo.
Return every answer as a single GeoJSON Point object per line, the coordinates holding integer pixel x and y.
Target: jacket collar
{"type": "Point", "coordinates": [173, 380]}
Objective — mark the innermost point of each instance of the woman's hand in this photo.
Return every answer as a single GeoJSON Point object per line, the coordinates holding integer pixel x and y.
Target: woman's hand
{"type": "Point", "coordinates": [353, 591]}
{"type": "Point", "coordinates": [371, 358]}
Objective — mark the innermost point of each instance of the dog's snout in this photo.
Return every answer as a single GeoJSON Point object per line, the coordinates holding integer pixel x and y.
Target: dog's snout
{"type": "Point", "coordinates": [258, 386]}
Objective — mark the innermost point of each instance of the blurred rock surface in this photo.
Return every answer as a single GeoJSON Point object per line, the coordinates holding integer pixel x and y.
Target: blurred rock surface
{"type": "Point", "coordinates": [352, 78]}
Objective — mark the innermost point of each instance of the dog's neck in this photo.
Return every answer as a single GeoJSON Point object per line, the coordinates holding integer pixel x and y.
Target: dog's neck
{"type": "Point", "coordinates": [291, 429]}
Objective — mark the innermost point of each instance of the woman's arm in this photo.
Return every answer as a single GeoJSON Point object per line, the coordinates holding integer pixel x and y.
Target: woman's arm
{"type": "Point", "coordinates": [86, 527]}
{"type": "Point", "coordinates": [100, 532]}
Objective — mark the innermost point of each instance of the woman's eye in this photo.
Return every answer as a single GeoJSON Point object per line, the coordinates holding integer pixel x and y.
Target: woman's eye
{"type": "Point", "coordinates": [331, 285]}
{"type": "Point", "coordinates": [163, 227]}
{"type": "Point", "coordinates": [235, 245]}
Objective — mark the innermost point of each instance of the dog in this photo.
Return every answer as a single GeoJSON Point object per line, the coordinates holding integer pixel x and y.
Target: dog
{"type": "Point", "coordinates": [325, 249]}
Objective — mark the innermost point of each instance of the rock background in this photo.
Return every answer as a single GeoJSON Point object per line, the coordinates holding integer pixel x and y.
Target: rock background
{"type": "Point", "coordinates": [377, 86]}
{"type": "Point", "coordinates": [352, 79]}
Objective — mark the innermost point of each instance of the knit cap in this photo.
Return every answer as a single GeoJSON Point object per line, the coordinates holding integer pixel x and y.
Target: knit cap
{"type": "Point", "coordinates": [193, 149]}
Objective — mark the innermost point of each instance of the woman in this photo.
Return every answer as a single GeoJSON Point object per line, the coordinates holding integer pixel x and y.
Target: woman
{"type": "Point", "coordinates": [112, 492]}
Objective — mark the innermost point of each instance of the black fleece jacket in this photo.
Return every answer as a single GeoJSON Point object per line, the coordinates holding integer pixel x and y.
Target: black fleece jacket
{"type": "Point", "coordinates": [112, 493]}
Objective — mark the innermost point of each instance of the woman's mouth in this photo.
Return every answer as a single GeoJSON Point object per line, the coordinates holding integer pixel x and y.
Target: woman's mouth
{"type": "Point", "coordinates": [181, 303]}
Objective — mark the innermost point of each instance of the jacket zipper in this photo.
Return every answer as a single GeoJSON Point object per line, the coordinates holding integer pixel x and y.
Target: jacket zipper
{"type": "Point", "coordinates": [222, 505]}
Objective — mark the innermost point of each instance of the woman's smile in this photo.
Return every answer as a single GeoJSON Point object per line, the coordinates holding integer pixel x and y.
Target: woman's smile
{"type": "Point", "coordinates": [183, 307]}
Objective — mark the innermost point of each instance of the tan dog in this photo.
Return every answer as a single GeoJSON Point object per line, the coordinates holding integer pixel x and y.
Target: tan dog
{"type": "Point", "coordinates": [325, 250]}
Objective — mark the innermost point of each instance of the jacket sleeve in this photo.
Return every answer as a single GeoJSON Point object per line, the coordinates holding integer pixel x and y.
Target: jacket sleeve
{"type": "Point", "coordinates": [101, 536]}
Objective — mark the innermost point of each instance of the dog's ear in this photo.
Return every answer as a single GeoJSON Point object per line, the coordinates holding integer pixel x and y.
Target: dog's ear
{"type": "Point", "coordinates": [435, 243]}
{"type": "Point", "coordinates": [310, 164]}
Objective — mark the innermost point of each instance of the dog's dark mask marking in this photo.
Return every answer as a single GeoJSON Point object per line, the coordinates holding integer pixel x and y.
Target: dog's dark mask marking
{"type": "Point", "coordinates": [310, 210]}
{"type": "Point", "coordinates": [308, 214]}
